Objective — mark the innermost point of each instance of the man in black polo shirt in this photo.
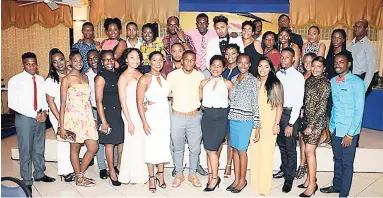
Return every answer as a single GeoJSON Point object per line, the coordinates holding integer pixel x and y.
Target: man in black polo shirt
{"type": "Point", "coordinates": [284, 21]}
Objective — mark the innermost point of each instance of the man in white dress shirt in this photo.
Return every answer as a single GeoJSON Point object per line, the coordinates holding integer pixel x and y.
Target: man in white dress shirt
{"type": "Point", "coordinates": [132, 39]}
{"type": "Point", "coordinates": [363, 52]}
{"type": "Point", "coordinates": [217, 46]}
{"type": "Point", "coordinates": [293, 85]}
{"type": "Point", "coordinates": [26, 96]}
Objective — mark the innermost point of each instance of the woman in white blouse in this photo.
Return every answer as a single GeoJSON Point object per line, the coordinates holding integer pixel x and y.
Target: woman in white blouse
{"type": "Point", "coordinates": [57, 70]}
{"type": "Point", "coordinates": [215, 93]}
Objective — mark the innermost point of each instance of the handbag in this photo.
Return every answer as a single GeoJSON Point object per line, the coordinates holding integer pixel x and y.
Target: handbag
{"type": "Point", "coordinates": [71, 135]}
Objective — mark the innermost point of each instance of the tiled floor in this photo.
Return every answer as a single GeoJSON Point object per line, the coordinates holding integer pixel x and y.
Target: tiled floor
{"type": "Point", "coordinates": [364, 184]}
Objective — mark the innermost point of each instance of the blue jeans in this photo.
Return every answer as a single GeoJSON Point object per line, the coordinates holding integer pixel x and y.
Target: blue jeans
{"type": "Point", "coordinates": [343, 164]}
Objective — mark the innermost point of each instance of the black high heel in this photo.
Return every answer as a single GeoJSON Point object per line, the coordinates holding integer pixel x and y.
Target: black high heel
{"type": "Point", "coordinates": [163, 185]}
{"type": "Point", "coordinates": [303, 185]}
{"type": "Point", "coordinates": [304, 195]}
{"type": "Point", "coordinates": [152, 190]}
{"type": "Point", "coordinates": [230, 188]}
{"type": "Point", "coordinates": [239, 190]}
{"type": "Point", "coordinates": [114, 183]}
{"type": "Point", "coordinates": [68, 178]}
{"type": "Point", "coordinates": [207, 189]}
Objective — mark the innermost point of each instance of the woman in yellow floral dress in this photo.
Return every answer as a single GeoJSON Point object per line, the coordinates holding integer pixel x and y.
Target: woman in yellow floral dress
{"type": "Point", "coordinates": [76, 119]}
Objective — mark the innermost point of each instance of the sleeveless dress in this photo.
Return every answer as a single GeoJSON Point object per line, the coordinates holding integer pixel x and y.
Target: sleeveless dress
{"type": "Point", "coordinates": [133, 168]}
{"type": "Point", "coordinates": [262, 152]}
{"type": "Point", "coordinates": [112, 108]}
{"type": "Point", "coordinates": [157, 144]}
{"type": "Point", "coordinates": [78, 114]}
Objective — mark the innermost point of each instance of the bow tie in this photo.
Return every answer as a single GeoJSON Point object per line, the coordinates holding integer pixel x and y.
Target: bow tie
{"type": "Point", "coordinates": [283, 71]}
{"type": "Point", "coordinates": [340, 79]}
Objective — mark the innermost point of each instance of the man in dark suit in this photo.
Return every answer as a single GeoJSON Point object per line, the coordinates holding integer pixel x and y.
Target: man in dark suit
{"type": "Point", "coordinates": [284, 21]}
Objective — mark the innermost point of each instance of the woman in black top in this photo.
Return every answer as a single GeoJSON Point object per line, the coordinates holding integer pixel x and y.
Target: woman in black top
{"type": "Point", "coordinates": [338, 44]}
{"type": "Point", "coordinates": [254, 50]}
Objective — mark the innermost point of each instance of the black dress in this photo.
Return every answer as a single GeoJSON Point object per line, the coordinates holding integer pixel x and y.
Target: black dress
{"type": "Point", "coordinates": [112, 109]}
{"type": "Point", "coordinates": [254, 56]}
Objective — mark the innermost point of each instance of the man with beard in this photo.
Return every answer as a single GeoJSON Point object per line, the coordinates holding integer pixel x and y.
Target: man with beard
{"type": "Point", "coordinates": [177, 50]}
{"type": "Point", "coordinates": [86, 43]}
{"type": "Point", "coordinates": [345, 123]}
{"type": "Point", "coordinates": [175, 35]}
{"type": "Point", "coordinates": [284, 21]}
{"type": "Point", "coordinates": [201, 36]}
{"type": "Point", "coordinates": [258, 30]}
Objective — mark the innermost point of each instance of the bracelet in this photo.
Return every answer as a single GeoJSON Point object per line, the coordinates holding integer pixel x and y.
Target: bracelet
{"type": "Point", "coordinates": [349, 136]}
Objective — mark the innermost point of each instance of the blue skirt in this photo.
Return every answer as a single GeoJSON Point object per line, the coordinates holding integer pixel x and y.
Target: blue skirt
{"type": "Point", "coordinates": [240, 132]}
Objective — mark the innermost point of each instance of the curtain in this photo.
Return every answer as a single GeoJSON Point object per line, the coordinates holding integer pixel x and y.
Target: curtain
{"type": "Point", "coordinates": [25, 17]}
{"type": "Point", "coordinates": [331, 13]}
{"type": "Point", "coordinates": [139, 11]}
{"type": "Point", "coordinates": [37, 39]}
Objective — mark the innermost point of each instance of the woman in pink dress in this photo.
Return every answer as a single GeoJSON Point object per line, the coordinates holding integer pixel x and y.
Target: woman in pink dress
{"type": "Point", "coordinates": [114, 42]}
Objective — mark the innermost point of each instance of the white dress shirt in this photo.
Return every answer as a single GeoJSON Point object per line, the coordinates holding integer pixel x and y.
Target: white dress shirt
{"type": "Point", "coordinates": [213, 47]}
{"type": "Point", "coordinates": [21, 94]}
{"type": "Point", "coordinates": [53, 90]}
{"type": "Point", "coordinates": [91, 75]}
{"type": "Point", "coordinates": [364, 55]}
{"type": "Point", "coordinates": [137, 46]}
{"type": "Point", "coordinates": [294, 89]}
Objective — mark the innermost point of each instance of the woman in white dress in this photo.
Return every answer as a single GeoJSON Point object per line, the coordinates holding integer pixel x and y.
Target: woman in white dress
{"type": "Point", "coordinates": [57, 70]}
{"type": "Point", "coordinates": [133, 168]}
{"type": "Point", "coordinates": [156, 120]}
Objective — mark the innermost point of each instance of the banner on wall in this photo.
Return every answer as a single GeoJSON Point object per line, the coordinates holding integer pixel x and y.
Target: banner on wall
{"type": "Point", "coordinates": [188, 20]}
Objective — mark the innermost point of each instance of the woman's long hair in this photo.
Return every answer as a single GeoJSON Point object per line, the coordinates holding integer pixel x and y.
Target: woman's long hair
{"type": "Point", "coordinates": [343, 33]}
{"type": "Point", "coordinates": [52, 70]}
{"type": "Point", "coordinates": [273, 86]}
{"type": "Point", "coordinates": [125, 54]}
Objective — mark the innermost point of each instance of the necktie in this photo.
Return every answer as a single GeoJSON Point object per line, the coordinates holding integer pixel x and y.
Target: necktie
{"type": "Point", "coordinates": [340, 79]}
{"type": "Point", "coordinates": [202, 60]}
{"type": "Point", "coordinates": [34, 93]}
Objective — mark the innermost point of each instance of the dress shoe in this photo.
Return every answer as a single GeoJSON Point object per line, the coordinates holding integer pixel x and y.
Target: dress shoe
{"type": "Point", "coordinates": [201, 171]}
{"type": "Point", "coordinates": [30, 188]}
{"type": "Point", "coordinates": [45, 178]}
{"type": "Point", "coordinates": [178, 180]}
{"type": "Point", "coordinates": [174, 172]}
{"type": "Point", "coordinates": [278, 175]}
{"type": "Point", "coordinates": [103, 174]}
{"type": "Point", "coordinates": [329, 189]}
{"type": "Point", "coordinates": [287, 187]}
{"type": "Point", "coordinates": [234, 190]}
{"type": "Point", "coordinates": [304, 195]}
{"type": "Point", "coordinates": [194, 180]}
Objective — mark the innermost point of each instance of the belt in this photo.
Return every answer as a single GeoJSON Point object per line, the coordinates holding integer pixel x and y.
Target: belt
{"type": "Point", "coordinates": [94, 108]}
{"type": "Point", "coordinates": [190, 113]}
{"type": "Point", "coordinates": [287, 108]}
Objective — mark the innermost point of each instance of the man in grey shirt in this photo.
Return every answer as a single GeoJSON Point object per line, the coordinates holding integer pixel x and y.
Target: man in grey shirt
{"type": "Point", "coordinates": [363, 53]}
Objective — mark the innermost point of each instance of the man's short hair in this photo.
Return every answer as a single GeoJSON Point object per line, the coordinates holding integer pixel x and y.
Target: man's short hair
{"type": "Point", "coordinates": [92, 51]}
{"type": "Point", "coordinates": [283, 15]}
{"type": "Point", "coordinates": [289, 49]}
{"type": "Point", "coordinates": [28, 55]}
{"type": "Point", "coordinates": [132, 23]}
{"type": "Point", "coordinates": [88, 23]}
{"type": "Point", "coordinates": [202, 15]}
{"type": "Point", "coordinates": [257, 20]}
{"type": "Point", "coordinates": [342, 54]}
{"type": "Point", "coordinates": [189, 52]}
{"type": "Point", "coordinates": [220, 18]}
{"type": "Point", "coordinates": [173, 17]}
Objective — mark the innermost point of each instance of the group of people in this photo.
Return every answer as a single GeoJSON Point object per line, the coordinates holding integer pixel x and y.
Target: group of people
{"type": "Point", "coordinates": [136, 102]}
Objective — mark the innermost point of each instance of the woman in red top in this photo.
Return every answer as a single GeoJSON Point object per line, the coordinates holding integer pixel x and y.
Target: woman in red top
{"type": "Point", "coordinates": [269, 45]}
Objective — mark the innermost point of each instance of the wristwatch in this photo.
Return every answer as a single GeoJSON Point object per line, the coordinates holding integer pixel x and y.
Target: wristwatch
{"type": "Point", "coordinates": [183, 42]}
{"type": "Point", "coordinates": [290, 125]}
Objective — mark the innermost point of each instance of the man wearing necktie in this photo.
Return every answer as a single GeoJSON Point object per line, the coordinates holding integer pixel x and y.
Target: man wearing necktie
{"type": "Point", "coordinates": [26, 96]}
{"type": "Point", "coordinates": [293, 85]}
{"type": "Point", "coordinates": [348, 95]}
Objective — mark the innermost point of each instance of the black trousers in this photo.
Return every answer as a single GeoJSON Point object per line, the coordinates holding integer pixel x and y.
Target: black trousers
{"type": "Point", "coordinates": [287, 146]}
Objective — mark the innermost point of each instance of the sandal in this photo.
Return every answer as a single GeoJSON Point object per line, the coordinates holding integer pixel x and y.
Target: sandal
{"type": "Point", "coordinates": [83, 181]}
{"type": "Point", "coordinates": [163, 185]}
{"type": "Point", "coordinates": [225, 174]}
{"type": "Point", "coordinates": [152, 190]}
{"type": "Point", "coordinates": [301, 172]}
